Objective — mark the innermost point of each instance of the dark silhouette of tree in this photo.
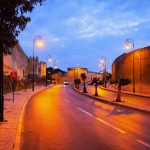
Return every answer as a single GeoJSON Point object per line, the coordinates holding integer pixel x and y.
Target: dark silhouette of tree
{"type": "Point", "coordinates": [96, 81]}
{"type": "Point", "coordinates": [77, 83]}
{"type": "Point", "coordinates": [106, 78]}
{"type": "Point", "coordinates": [83, 77]}
{"type": "Point", "coordinates": [13, 20]}
{"type": "Point", "coordinates": [120, 82]}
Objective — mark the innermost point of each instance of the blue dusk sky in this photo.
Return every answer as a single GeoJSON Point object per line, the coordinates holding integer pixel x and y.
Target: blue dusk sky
{"type": "Point", "coordinates": [79, 32]}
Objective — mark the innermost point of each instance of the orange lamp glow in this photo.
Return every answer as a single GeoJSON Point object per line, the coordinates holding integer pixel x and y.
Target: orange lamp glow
{"type": "Point", "coordinates": [127, 46]}
{"type": "Point", "coordinates": [39, 43]}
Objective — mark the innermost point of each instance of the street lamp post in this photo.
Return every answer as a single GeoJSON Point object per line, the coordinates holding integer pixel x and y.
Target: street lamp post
{"type": "Point", "coordinates": [39, 44]}
{"type": "Point", "coordinates": [128, 44]}
{"type": "Point", "coordinates": [102, 64]}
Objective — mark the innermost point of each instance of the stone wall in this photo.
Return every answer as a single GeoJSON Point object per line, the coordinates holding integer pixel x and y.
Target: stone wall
{"type": "Point", "coordinates": [91, 75]}
{"type": "Point", "coordinates": [136, 67]}
{"type": "Point", "coordinates": [17, 61]}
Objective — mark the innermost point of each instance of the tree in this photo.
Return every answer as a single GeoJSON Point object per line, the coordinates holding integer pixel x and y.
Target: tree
{"type": "Point", "coordinates": [77, 82]}
{"type": "Point", "coordinates": [96, 82]}
{"type": "Point", "coordinates": [83, 77]}
{"type": "Point", "coordinates": [13, 20]}
{"type": "Point", "coordinates": [120, 82]}
{"type": "Point", "coordinates": [106, 78]}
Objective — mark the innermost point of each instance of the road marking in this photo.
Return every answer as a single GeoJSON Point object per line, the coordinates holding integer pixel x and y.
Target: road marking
{"type": "Point", "coordinates": [89, 114]}
{"type": "Point", "coordinates": [102, 121]}
{"type": "Point", "coordinates": [110, 125]}
{"type": "Point", "coordinates": [66, 100]}
{"type": "Point", "coordinates": [143, 143]}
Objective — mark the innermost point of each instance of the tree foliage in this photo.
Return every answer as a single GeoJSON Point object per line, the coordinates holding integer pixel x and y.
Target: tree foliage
{"type": "Point", "coordinates": [96, 81]}
{"type": "Point", "coordinates": [13, 19]}
{"type": "Point", "coordinates": [77, 82]}
{"type": "Point", "coordinates": [83, 77]}
{"type": "Point", "coordinates": [120, 82]}
{"type": "Point", "coordinates": [52, 71]}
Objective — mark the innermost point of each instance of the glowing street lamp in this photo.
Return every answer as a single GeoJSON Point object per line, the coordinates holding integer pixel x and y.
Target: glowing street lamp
{"type": "Point", "coordinates": [39, 43]}
{"type": "Point", "coordinates": [49, 59]}
{"type": "Point", "coordinates": [129, 44]}
{"type": "Point", "coordinates": [102, 64]}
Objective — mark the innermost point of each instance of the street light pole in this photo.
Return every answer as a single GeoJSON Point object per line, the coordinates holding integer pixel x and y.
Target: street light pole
{"type": "Point", "coordinates": [102, 64]}
{"type": "Point", "coordinates": [35, 38]}
{"type": "Point", "coordinates": [128, 45]}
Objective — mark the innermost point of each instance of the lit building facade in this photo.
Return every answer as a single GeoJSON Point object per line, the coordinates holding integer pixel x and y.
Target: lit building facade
{"type": "Point", "coordinates": [74, 73]}
{"type": "Point", "coordinates": [39, 68]}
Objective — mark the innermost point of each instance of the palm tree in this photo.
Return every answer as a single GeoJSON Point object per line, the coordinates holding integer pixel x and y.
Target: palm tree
{"type": "Point", "coordinates": [120, 82]}
{"type": "Point", "coordinates": [96, 81]}
{"type": "Point", "coordinates": [83, 77]}
{"type": "Point", "coordinates": [77, 82]}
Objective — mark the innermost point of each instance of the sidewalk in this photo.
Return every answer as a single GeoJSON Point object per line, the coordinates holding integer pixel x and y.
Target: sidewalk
{"type": "Point", "coordinates": [11, 113]}
{"type": "Point", "coordinates": [126, 92]}
{"type": "Point", "coordinates": [136, 105]}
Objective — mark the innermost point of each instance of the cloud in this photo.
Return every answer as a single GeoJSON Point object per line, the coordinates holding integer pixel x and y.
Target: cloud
{"type": "Point", "coordinates": [72, 28]}
{"type": "Point", "coordinates": [88, 26]}
{"type": "Point", "coordinates": [100, 23]}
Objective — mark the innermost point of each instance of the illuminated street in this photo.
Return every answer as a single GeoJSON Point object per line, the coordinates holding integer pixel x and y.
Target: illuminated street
{"type": "Point", "coordinates": [74, 75]}
{"type": "Point", "coordinates": [61, 119]}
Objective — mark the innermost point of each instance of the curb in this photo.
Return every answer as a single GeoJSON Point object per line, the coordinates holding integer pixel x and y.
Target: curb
{"type": "Point", "coordinates": [16, 144]}
{"type": "Point", "coordinates": [124, 92]}
{"type": "Point", "coordinates": [113, 103]}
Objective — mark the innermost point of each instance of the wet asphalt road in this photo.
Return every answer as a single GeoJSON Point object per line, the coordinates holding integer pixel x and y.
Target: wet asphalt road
{"type": "Point", "coordinates": [61, 119]}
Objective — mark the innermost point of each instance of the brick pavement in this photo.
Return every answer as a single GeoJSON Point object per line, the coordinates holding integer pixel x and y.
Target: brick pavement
{"type": "Point", "coordinates": [11, 115]}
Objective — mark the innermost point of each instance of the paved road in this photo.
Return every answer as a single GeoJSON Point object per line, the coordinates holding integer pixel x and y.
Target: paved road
{"type": "Point", "coordinates": [60, 119]}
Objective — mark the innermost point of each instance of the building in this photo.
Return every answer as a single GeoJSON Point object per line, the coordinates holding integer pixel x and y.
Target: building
{"type": "Point", "coordinates": [42, 69]}
{"type": "Point", "coordinates": [135, 66]}
{"type": "Point", "coordinates": [36, 67]}
{"type": "Point", "coordinates": [17, 62]}
{"type": "Point", "coordinates": [74, 73]}
{"type": "Point", "coordinates": [59, 78]}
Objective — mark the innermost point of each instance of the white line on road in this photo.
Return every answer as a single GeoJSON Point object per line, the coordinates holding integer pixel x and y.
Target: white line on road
{"type": "Point", "coordinates": [110, 125]}
{"type": "Point", "coordinates": [143, 143]}
{"type": "Point", "coordinates": [89, 114]}
{"type": "Point", "coordinates": [66, 100]}
{"type": "Point", "coordinates": [102, 121]}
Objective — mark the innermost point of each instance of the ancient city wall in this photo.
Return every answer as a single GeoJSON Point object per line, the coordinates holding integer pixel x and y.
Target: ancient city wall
{"type": "Point", "coordinates": [17, 61]}
{"type": "Point", "coordinates": [134, 66]}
